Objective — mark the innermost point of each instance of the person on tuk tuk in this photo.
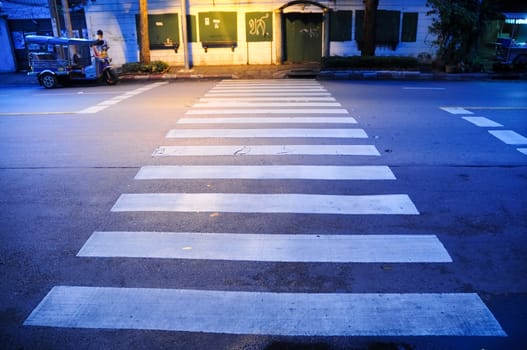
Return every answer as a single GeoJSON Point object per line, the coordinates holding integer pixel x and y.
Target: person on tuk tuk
{"type": "Point", "coordinates": [101, 47]}
{"type": "Point", "coordinates": [100, 50]}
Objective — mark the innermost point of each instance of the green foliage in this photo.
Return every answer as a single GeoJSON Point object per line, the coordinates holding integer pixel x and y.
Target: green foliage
{"type": "Point", "coordinates": [457, 25]}
{"type": "Point", "coordinates": [370, 62]}
{"type": "Point", "coordinates": [138, 67]}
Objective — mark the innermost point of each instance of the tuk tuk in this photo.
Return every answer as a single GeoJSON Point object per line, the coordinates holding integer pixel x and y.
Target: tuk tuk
{"type": "Point", "coordinates": [59, 60]}
{"type": "Point", "coordinates": [511, 45]}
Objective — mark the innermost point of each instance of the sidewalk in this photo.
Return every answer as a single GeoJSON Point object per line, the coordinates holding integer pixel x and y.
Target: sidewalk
{"type": "Point", "coordinates": [281, 72]}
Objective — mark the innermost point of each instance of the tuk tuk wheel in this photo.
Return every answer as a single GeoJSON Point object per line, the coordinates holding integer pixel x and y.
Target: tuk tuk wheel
{"type": "Point", "coordinates": [49, 81]}
{"type": "Point", "coordinates": [520, 63]}
{"type": "Point", "coordinates": [110, 77]}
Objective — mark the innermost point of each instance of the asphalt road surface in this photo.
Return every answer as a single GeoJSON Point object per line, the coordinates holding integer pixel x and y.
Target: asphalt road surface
{"type": "Point", "coordinates": [286, 214]}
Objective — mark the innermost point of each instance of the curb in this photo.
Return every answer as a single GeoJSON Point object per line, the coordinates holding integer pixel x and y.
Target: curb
{"type": "Point", "coordinates": [8, 79]}
{"type": "Point", "coordinates": [401, 75]}
{"type": "Point", "coordinates": [332, 75]}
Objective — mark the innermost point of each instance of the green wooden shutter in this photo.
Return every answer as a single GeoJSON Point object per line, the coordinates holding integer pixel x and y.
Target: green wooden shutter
{"type": "Point", "coordinates": [409, 32]}
{"type": "Point", "coordinates": [192, 29]}
{"type": "Point", "coordinates": [259, 26]}
{"type": "Point", "coordinates": [387, 27]}
{"type": "Point", "coordinates": [340, 25]}
{"type": "Point", "coordinates": [163, 30]}
{"type": "Point", "coordinates": [218, 26]}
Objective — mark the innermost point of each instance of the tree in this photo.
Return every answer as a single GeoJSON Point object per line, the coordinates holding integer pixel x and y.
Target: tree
{"type": "Point", "coordinates": [144, 54]}
{"type": "Point", "coordinates": [457, 25]}
{"type": "Point", "coordinates": [369, 27]}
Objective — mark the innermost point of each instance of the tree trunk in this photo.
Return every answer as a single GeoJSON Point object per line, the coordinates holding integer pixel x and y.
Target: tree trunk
{"type": "Point", "coordinates": [144, 54]}
{"type": "Point", "coordinates": [369, 28]}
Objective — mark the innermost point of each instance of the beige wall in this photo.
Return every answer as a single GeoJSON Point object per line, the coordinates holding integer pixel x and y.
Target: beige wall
{"type": "Point", "coordinates": [117, 19]}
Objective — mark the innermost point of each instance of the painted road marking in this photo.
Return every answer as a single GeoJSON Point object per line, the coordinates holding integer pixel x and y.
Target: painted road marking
{"type": "Point", "coordinates": [18, 114]}
{"type": "Point", "coordinates": [482, 122]}
{"type": "Point", "coordinates": [275, 98]}
{"type": "Point", "coordinates": [304, 172]}
{"type": "Point", "coordinates": [423, 88]}
{"type": "Point", "coordinates": [391, 204]}
{"type": "Point", "coordinates": [509, 137]}
{"type": "Point", "coordinates": [500, 108]}
{"type": "Point", "coordinates": [264, 104]}
{"type": "Point", "coordinates": [266, 150]}
{"type": "Point", "coordinates": [268, 247]}
{"type": "Point", "coordinates": [93, 109]}
{"type": "Point", "coordinates": [267, 120]}
{"type": "Point", "coordinates": [269, 111]}
{"type": "Point", "coordinates": [267, 86]}
{"type": "Point", "coordinates": [522, 150]}
{"type": "Point", "coordinates": [252, 133]}
{"type": "Point", "coordinates": [265, 94]}
{"type": "Point", "coordinates": [264, 313]}
{"type": "Point", "coordinates": [270, 82]}
{"type": "Point", "coordinates": [260, 90]}
{"type": "Point", "coordinates": [456, 110]}
{"type": "Point", "coordinates": [110, 102]}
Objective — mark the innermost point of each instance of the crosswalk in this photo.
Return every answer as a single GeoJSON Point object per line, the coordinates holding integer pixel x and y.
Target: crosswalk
{"type": "Point", "coordinates": [283, 120]}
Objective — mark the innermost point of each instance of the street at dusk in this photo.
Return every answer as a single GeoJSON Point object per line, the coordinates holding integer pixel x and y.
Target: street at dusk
{"type": "Point", "coordinates": [264, 214]}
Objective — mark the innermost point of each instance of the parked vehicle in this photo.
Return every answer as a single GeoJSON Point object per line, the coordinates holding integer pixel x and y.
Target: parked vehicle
{"type": "Point", "coordinates": [64, 61]}
{"type": "Point", "coordinates": [511, 46]}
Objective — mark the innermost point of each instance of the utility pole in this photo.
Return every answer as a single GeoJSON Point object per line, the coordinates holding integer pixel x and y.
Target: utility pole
{"type": "Point", "coordinates": [144, 54]}
{"type": "Point", "coordinates": [67, 18]}
{"type": "Point", "coordinates": [55, 19]}
{"type": "Point", "coordinates": [185, 34]}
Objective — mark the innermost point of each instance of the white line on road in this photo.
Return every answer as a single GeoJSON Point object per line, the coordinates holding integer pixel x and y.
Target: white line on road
{"type": "Point", "coordinates": [267, 150]}
{"type": "Point", "coordinates": [456, 110]}
{"type": "Point", "coordinates": [522, 150]}
{"type": "Point", "coordinates": [93, 109]}
{"type": "Point", "coordinates": [251, 133]}
{"type": "Point", "coordinates": [266, 94]}
{"type": "Point", "coordinates": [509, 137]}
{"type": "Point", "coordinates": [423, 88]}
{"type": "Point", "coordinates": [277, 82]}
{"type": "Point", "coordinates": [267, 89]}
{"type": "Point", "coordinates": [105, 104]}
{"type": "Point", "coordinates": [267, 120]}
{"type": "Point", "coordinates": [391, 204]}
{"type": "Point", "coordinates": [269, 111]}
{"type": "Point", "coordinates": [268, 86]}
{"type": "Point", "coordinates": [268, 247]}
{"type": "Point", "coordinates": [265, 313]}
{"type": "Point", "coordinates": [306, 172]}
{"type": "Point", "coordinates": [249, 104]}
{"type": "Point", "coordinates": [482, 122]}
{"type": "Point", "coordinates": [268, 98]}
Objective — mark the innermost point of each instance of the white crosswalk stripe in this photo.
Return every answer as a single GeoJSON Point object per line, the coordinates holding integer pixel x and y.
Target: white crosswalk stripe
{"type": "Point", "coordinates": [268, 120]}
{"type": "Point", "coordinates": [270, 99]}
{"type": "Point", "coordinates": [290, 314]}
{"type": "Point", "coordinates": [265, 172]}
{"type": "Point", "coordinates": [268, 247]}
{"type": "Point", "coordinates": [268, 111]}
{"type": "Point", "coordinates": [266, 133]}
{"type": "Point", "coordinates": [274, 104]}
{"type": "Point", "coordinates": [266, 150]}
{"type": "Point", "coordinates": [265, 94]}
{"type": "Point", "coordinates": [389, 204]}
{"type": "Point", "coordinates": [264, 104]}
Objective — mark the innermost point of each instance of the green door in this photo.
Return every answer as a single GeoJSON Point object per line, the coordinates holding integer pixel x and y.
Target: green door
{"type": "Point", "coordinates": [303, 37]}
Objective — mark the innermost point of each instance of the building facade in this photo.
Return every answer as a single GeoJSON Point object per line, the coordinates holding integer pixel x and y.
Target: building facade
{"type": "Point", "coordinates": [221, 32]}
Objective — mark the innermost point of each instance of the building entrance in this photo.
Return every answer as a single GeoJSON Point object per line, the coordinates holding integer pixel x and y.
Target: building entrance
{"type": "Point", "coordinates": [303, 37]}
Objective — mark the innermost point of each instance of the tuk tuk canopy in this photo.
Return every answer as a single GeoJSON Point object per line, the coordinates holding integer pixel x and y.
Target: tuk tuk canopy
{"type": "Point", "coordinates": [51, 40]}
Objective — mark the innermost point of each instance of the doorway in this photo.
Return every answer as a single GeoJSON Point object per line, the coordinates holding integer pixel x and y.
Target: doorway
{"type": "Point", "coordinates": [303, 37]}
